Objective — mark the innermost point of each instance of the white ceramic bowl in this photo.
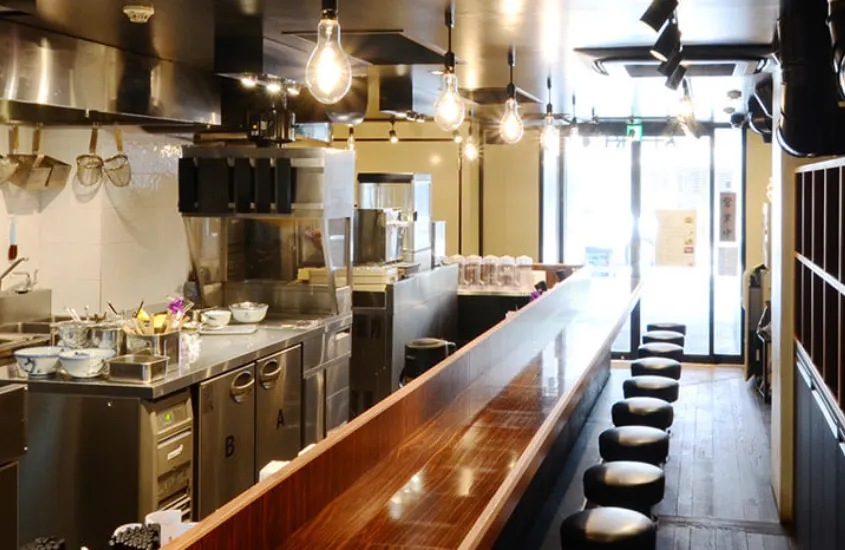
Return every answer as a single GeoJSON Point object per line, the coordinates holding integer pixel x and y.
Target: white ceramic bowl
{"type": "Point", "coordinates": [217, 318]}
{"type": "Point", "coordinates": [39, 361]}
{"type": "Point", "coordinates": [85, 363]}
{"type": "Point", "coordinates": [249, 312]}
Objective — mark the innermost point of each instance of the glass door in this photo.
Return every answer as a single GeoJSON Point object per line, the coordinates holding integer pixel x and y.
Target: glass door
{"type": "Point", "coordinates": [672, 208]}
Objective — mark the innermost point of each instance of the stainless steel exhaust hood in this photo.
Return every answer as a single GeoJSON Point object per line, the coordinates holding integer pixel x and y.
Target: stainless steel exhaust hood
{"type": "Point", "coordinates": [56, 79]}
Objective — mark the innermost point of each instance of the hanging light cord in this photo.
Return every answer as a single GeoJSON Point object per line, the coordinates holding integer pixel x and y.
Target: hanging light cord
{"type": "Point", "coordinates": [511, 64]}
{"type": "Point", "coordinates": [549, 110]}
{"type": "Point", "coordinates": [449, 58]}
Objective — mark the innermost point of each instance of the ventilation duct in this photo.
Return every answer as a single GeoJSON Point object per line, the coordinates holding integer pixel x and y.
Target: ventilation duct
{"type": "Point", "coordinates": [811, 123]}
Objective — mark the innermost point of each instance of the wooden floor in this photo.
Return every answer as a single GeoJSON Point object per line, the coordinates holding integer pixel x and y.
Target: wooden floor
{"type": "Point", "coordinates": [718, 493]}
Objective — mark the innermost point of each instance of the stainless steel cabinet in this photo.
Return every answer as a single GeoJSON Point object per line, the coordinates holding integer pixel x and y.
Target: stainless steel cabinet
{"type": "Point", "coordinates": [278, 406]}
{"type": "Point", "coordinates": [226, 438]}
{"type": "Point", "coordinates": [314, 421]}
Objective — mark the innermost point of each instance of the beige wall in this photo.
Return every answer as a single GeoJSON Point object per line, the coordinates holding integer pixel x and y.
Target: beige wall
{"type": "Point", "coordinates": [758, 173]}
{"type": "Point", "coordinates": [512, 197]}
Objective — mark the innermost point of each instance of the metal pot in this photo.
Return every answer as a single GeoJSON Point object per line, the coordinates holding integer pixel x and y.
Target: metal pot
{"type": "Point", "coordinates": [108, 336]}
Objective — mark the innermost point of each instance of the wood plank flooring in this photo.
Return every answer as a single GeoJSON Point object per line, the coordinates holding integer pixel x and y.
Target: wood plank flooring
{"type": "Point", "coordinates": [718, 491]}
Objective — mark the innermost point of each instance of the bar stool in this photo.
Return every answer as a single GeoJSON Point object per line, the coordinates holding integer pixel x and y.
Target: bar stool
{"type": "Point", "coordinates": [661, 349]}
{"type": "Point", "coordinates": [674, 327]}
{"type": "Point", "coordinates": [633, 485]}
{"type": "Point", "coordinates": [656, 366]}
{"type": "Point", "coordinates": [658, 387]}
{"type": "Point", "coordinates": [608, 529]}
{"type": "Point", "coordinates": [643, 411]}
{"type": "Point", "coordinates": [634, 443]}
{"type": "Point", "coordinates": [665, 336]}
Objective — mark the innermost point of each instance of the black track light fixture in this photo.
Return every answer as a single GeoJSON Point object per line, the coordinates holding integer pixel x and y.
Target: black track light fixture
{"type": "Point", "coordinates": [672, 63]}
{"type": "Point", "coordinates": [676, 78]}
{"type": "Point", "coordinates": [667, 43]}
{"type": "Point", "coordinates": [658, 13]}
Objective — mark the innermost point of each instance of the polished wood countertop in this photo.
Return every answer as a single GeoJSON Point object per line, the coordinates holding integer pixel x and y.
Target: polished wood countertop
{"type": "Point", "coordinates": [475, 429]}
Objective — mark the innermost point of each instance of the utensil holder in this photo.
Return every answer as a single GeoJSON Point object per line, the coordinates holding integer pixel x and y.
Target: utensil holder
{"type": "Point", "coordinates": [169, 345]}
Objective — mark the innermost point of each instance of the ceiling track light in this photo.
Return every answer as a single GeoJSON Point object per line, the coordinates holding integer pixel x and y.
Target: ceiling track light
{"type": "Point", "coordinates": [394, 137]}
{"type": "Point", "coordinates": [658, 13]}
{"type": "Point", "coordinates": [550, 135]}
{"type": "Point", "coordinates": [676, 78]}
{"type": "Point", "coordinates": [449, 108]}
{"type": "Point", "coordinates": [667, 43]}
{"type": "Point", "coordinates": [671, 65]}
{"type": "Point", "coordinates": [328, 74]}
{"type": "Point", "coordinates": [511, 126]}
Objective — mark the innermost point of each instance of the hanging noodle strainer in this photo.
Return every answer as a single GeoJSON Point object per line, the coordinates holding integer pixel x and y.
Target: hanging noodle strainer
{"type": "Point", "coordinates": [89, 168]}
{"type": "Point", "coordinates": [117, 167]}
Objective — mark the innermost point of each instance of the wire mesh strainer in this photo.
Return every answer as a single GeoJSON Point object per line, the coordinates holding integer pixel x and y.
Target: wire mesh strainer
{"type": "Point", "coordinates": [117, 168]}
{"type": "Point", "coordinates": [89, 168]}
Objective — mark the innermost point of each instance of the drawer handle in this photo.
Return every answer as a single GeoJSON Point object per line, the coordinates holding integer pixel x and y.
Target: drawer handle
{"type": "Point", "coordinates": [175, 452]}
{"type": "Point", "coordinates": [242, 386]}
{"type": "Point", "coordinates": [269, 373]}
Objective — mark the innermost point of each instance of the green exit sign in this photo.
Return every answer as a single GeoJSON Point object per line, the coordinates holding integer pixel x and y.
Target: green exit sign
{"type": "Point", "coordinates": [634, 131]}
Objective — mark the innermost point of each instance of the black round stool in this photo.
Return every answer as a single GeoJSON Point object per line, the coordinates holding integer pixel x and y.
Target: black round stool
{"type": "Point", "coordinates": [657, 366]}
{"type": "Point", "coordinates": [637, 443]}
{"type": "Point", "coordinates": [609, 529]}
{"type": "Point", "coordinates": [661, 349]}
{"type": "Point", "coordinates": [658, 387]}
{"type": "Point", "coordinates": [674, 327]}
{"type": "Point", "coordinates": [665, 336]}
{"type": "Point", "coordinates": [633, 485]}
{"type": "Point", "coordinates": [643, 411]}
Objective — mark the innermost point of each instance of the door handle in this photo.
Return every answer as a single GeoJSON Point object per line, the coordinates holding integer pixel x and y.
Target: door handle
{"type": "Point", "coordinates": [242, 386]}
{"type": "Point", "coordinates": [268, 378]}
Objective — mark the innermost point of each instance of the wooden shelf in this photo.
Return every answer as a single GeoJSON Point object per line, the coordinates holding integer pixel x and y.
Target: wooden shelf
{"type": "Point", "coordinates": [820, 271]}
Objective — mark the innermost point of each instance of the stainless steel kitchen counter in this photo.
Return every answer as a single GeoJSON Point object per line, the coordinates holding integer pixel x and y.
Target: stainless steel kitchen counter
{"type": "Point", "coordinates": [218, 354]}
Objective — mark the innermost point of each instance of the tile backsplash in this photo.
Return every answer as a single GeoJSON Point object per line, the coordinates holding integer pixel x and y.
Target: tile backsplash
{"type": "Point", "coordinates": [105, 243]}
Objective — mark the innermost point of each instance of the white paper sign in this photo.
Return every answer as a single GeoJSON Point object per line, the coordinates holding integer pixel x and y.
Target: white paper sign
{"type": "Point", "coordinates": [727, 217]}
{"type": "Point", "coordinates": [676, 238]}
{"type": "Point", "coordinates": [728, 262]}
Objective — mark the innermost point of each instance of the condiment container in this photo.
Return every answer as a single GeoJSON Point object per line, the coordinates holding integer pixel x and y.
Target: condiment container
{"type": "Point", "coordinates": [72, 334]}
{"type": "Point", "coordinates": [507, 272]}
{"type": "Point", "coordinates": [108, 336]}
{"type": "Point", "coordinates": [490, 271]}
{"type": "Point", "coordinates": [168, 344]}
{"type": "Point", "coordinates": [142, 369]}
{"type": "Point", "coordinates": [472, 271]}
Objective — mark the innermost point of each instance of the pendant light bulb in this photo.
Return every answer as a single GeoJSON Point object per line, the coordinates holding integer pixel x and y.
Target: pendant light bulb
{"type": "Point", "coordinates": [328, 74]}
{"type": "Point", "coordinates": [550, 137]}
{"type": "Point", "coordinates": [248, 82]}
{"type": "Point", "coordinates": [470, 149]}
{"type": "Point", "coordinates": [394, 137]}
{"type": "Point", "coordinates": [457, 137]}
{"type": "Point", "coordinates": [512, 128]}
{"type": "Point", "coordinates": [449, 108]}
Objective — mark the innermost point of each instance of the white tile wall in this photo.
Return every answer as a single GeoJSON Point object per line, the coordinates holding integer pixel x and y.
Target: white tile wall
{"type": "Point", "coordinates": [105, 243]}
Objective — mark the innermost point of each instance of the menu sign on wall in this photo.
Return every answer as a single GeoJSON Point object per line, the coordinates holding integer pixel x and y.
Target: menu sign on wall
{"type": "Point", "coordinates": [727, 217]}
{"type": "Point", "coordinates": [675, 244]}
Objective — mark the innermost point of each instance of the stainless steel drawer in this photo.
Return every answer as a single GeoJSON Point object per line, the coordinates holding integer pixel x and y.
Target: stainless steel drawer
{"type": "Point", "coordinates": [337, 410]}
{"type": "Point", "coordinates": [337, 376]}
{"type": "Point", "coordinates": [278, 407]}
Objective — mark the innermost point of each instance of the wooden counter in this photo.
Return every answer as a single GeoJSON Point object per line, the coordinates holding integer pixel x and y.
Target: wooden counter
{"type": "Point", "coordinates": [444, 462]}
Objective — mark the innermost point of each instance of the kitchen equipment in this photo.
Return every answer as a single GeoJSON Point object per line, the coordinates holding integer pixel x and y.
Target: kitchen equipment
{"type": "Point", "coordinates": [142, 369]}
{"type": "Point", "coordinates": [108, 336]}
{"type": "Point", "coordinates": [490, 271]}
{"type": "Point", "coordinates": [168, 344]}
{"type": "Point", "coordinates": [422, 354]}
{"type": "Point", "coordinates": [410, 194]}
{"type": "Point", "coordinates": [72, 334]}
{"type": "Point", "coordinates": [117, 167]}
{"type": "Point", "coordinates": [278, 404]}
{"type": "Point", "coordinates": [231, 330]}
{"type": "Point", "coordinates": [13, 444]}
{"type": "Point", "coordinates": [226, 438]}
{"type": "Point", "coordinates": [32, 171]}
{"type": "Point", "coordinates": [85, 363]}
{"type": "Point", "coordinates": [249, 312]}
{"type": "Point", "coordinates": [216, 318]}
{"type": "Point", "coordinates": [38, 361]}
{"type": "Point", "coordinates": [378, 236]}
{"type": "Point", "coordinates": [8, 165]}
{"type": "Point", "coordinates": [89, 168]}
